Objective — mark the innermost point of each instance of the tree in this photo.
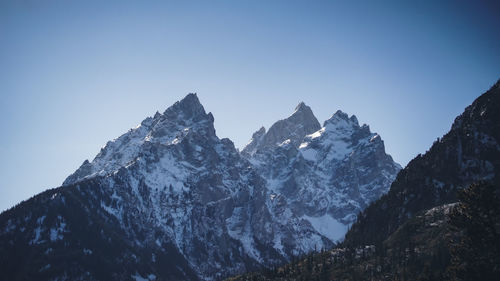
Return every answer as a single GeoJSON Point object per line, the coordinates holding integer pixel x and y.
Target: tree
{"type": "Point", "coordinates": [476, 250]}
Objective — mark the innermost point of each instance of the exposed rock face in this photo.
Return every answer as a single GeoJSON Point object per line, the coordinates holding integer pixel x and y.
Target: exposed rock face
{"type": "Point", "coordinates": [170, 200]}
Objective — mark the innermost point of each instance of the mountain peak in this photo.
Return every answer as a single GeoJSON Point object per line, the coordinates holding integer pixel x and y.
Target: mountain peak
{"type": "Point", "coordinates": [302, 109]}
{"type": "Point", "coordinates": [189, 108]}
{"type": "Point", "coordinates": [301, 106]}
{"type": "Point", "coordinates": [302, 122]}
{"type": "Point", "coordinates": [260, 132]}
{"type": "Point", "coordinates": [340, 114]}
{"type": "Point", "coordinates": [302, 116]}
{"type": "Point", "coordinates": [342, 117]}
{"type": "Point", "coordinates": [294, 128]}
{"type": "Point", "coordinates": [186, 115]}
{"type": "Point", "coordinates": [354, 119]}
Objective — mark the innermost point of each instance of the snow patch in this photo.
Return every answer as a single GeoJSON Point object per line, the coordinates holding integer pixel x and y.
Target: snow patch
{"type": "Point", "coordinates": [288, 141]}
{"type": "Point", "coordinates": [44, 268]}
{"type": "Point", "coordinates": [38, 232]}
{"type": "Point", "coordinates": [317, 134]}
{"type": "Point", "coordinates": [56, 233]}
{"type": "Point", "coordinates": [138, 277]}
{"type": "Point", "coordinates": [328, 227]}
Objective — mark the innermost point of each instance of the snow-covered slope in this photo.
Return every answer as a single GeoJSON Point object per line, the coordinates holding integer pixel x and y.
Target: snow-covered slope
{"type": "Point", "coordinates": [326, 175]}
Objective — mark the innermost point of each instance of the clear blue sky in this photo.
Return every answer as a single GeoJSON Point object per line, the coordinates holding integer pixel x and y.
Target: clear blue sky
{"type": "Point", "coordinates": [75, 74]}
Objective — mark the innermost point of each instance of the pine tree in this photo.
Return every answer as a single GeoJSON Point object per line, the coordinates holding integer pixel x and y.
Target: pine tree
{"type": "Point", "coordinates": [476, 252]}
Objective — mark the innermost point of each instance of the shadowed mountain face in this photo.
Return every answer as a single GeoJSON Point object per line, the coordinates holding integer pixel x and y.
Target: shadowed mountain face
{"type": "Point", "coordinates": [169, 200]}
{"type": "Point", "coordinates": [469, 152]}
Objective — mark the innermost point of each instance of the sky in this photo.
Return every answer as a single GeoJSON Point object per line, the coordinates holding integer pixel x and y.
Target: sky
{"type": "Point", "coordinates": [75, 74]}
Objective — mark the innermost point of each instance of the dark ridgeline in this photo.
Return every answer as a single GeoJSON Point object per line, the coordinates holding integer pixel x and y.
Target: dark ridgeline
{"type": "Point", "coordinates": [469, 152]}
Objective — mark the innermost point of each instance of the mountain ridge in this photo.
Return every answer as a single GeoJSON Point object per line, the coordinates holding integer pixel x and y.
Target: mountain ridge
{"type": "Point", "coordinates": [171, 187]}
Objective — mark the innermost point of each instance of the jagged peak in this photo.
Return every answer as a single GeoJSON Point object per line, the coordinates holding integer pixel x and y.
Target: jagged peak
{"type": "Point", "coordinates": [187, 108]}
{"type": "Point", "coordinates": [301, 106]}
{"type": "Point", "coordinates": [254, 142]}
{"type": "Point", "coordinates": [354, 119]}
{"type": "Point", "coordinates": [259, 133]}
{"type": "Point", "coordinates": [302, 116]}
{"type": "Point", "coordinates": [340, 116]}
{"type": "Point", "coordinates": [184, 119]}
{"type": "Point", "coordinates": [300, 123]}
{"type": "Point", "coordinates": [302, 109]}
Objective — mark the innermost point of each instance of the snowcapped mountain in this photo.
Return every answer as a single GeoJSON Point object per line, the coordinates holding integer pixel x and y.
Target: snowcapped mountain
{"type": "Point", "coordinates": [185, 120]}
{"type": "Point", "coordinates": [169, 200]}
{"type": "Point", "coordinates": [326, 175]}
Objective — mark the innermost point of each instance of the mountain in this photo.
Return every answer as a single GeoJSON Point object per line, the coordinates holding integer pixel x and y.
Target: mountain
{"type": "Point", "coordinates": [169, 200]}
{"type": "Point", "coordinates": [327, 174]}
{"type": "Point", "coordinates": [439, 221]}
{"type": "Point", "coordinates": [469, 152]}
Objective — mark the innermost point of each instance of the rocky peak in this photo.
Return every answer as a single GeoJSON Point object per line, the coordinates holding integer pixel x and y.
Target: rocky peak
{"type": "Point", "coordinates": [188, 109]}
{"type": "Point", "coordinates": [294, 128]}
{"type": "Point", "coordinates": [342, 118]}
{"type": "Point", "coordinates": [259, 133]}
{"type": "Point", "coordinates": [328, 174]}
{"type": "Point", "coordinates": [186, 119]}
{"type": "Point", "coordinates": [186, 115]}
{"type": "Point", "coordinates": [354, 119]}
{"type": "Point", "coordinates": [303, 115]}
{"type": "Point", "coordinates": [301, 106]}
{"type": "Point", "coordinates": [254, 142]}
